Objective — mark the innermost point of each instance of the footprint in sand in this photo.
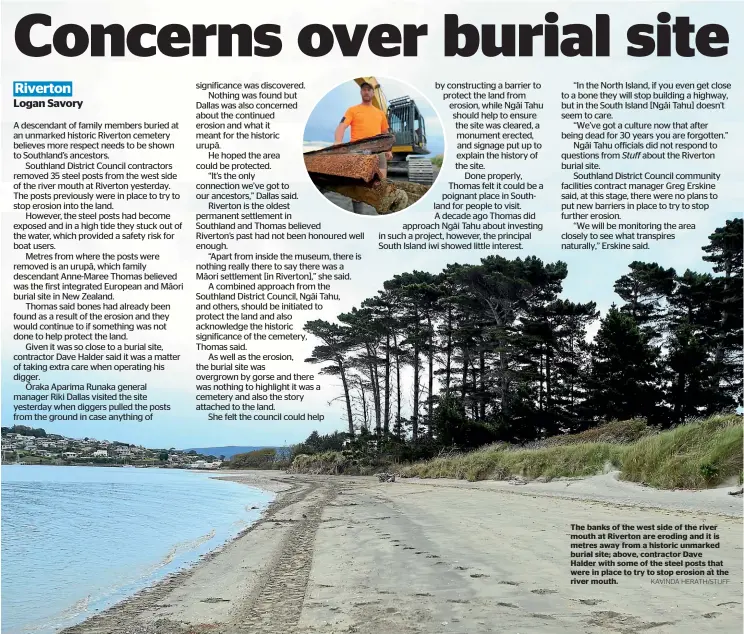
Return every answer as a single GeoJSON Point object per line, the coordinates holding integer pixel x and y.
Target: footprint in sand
{"type": "Point", "coordinates": [478, 575]}
{"type": "Point", "coordinates": [544, 591]}
{"type": "Point", "coordinates": [507, 605]}
{"type": "Point", "coordinates": [508, 583]}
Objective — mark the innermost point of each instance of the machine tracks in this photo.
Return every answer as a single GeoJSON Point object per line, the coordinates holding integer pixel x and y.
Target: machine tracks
{"type": "Point", "coordinates": [275, 605]}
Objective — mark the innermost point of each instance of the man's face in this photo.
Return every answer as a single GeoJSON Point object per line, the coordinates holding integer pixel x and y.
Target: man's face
{"type": "Point", "coordinates": [367, 94]}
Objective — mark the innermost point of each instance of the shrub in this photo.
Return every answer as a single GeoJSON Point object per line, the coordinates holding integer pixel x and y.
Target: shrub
{"type": "Point", "coordinates": [257, 459]}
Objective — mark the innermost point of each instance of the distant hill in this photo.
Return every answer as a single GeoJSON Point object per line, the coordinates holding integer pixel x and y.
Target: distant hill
{"type": "Point", "coordinates": [228, 452]}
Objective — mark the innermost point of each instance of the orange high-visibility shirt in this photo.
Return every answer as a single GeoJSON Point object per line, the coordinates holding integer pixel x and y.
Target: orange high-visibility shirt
{"type": "Point", "coordinates": [365, 121]}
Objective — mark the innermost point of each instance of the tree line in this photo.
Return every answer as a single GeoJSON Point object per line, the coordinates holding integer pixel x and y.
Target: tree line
{"type": "Point", "coordinates": [24, 430]}
{"type": "Point", "coordinates": [491, 351]}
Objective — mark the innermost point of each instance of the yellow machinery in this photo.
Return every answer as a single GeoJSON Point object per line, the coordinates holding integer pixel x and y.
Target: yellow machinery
{"type": "Point", "coordinates": [409, 127]}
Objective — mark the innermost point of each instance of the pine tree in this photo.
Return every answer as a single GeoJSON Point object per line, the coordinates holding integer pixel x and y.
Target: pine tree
{"type": "Point", "coordinates": [644, 290]}
{"type": "Point", "coordinates": [690, 341]}
{"type": "Point", "coordinates": [725, 253]}
{"type": "Point", "coordinates": [624, 378]}
{"type": "Point", "coordinates": [337, 345]}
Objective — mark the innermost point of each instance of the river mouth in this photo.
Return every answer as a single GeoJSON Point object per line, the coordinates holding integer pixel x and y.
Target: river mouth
{"type": "Point", "coordinates": [77, 540]}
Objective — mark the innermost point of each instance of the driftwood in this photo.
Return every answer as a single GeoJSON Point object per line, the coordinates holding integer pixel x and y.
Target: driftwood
{"type": "Point", "coordinates": [386, 477]}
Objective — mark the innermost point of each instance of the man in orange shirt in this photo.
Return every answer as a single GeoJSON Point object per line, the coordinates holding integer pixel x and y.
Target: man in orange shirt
{"type": "Point", "coordinates": [365, 121]}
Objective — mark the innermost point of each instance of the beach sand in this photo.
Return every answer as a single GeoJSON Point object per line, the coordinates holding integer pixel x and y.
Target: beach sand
{"type": "Point", "coordinates": [349, 554]}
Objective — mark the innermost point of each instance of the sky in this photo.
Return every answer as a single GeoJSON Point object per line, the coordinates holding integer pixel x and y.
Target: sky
{"type": "Point", "coordinates": [328, 112]}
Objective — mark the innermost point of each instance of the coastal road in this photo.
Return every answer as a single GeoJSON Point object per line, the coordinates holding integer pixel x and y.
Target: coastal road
{"type": "Point", "coordinates": [341, 555]}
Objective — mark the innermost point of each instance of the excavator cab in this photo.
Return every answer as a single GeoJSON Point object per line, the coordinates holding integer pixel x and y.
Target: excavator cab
{"type": "Point", "coordinates": [408, 125]}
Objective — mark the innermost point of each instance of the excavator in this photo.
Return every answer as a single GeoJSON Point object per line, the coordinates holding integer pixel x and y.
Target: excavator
{"type": "Point", "coordinates": [408, 125]}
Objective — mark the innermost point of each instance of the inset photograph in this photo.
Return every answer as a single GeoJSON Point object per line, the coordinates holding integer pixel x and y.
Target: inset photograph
{"type": "Point", "coordinates": [373, 146]}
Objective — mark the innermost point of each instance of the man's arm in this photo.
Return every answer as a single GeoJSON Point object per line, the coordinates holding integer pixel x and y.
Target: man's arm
{"type": "Point", "coordinates": [339, 134]}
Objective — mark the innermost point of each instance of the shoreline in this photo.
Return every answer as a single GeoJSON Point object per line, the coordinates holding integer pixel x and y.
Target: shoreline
{"type": "Point", "coordinates": [161, 586]}
{"type": "Point", "coordinates": [339, 554]}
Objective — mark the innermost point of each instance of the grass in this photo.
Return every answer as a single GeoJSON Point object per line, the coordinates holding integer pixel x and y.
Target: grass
{"type": "Point", "coordinates": [438, 160]}
{"type": "Point", "coordinates": [697, 455]}
{"type": "Point", "coordinates": [694, 456]}
{"type": "Point", "coordinates": [502, 463]}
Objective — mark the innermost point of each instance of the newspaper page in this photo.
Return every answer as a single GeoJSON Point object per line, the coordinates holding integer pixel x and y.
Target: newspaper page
{"type": "Point", "coordinates": [415, 317]}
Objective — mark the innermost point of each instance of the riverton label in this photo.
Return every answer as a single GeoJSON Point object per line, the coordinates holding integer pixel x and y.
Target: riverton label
{"type": "Point", "coordinates": [44, 94]}
{"type": "Point", "coordinates": [39, 89]}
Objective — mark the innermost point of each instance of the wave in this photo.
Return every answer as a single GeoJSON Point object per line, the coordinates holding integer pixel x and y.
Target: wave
{"type": "Point", "coordinates": [76, 610]}
{"type": "Point", "coordinates": [179, 549]}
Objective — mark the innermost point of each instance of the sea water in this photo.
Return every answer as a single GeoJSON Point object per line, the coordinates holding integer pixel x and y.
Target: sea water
{"type": "Point", "coordinates": [76, 540]}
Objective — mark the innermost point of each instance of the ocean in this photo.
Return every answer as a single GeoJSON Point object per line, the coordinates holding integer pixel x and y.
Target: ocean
{"type": "Point", "coordinates": [76, 540]}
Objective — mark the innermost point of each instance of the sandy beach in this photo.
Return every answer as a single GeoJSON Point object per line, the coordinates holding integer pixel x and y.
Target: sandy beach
{"type": "Point", "coordinates": [342, 555]}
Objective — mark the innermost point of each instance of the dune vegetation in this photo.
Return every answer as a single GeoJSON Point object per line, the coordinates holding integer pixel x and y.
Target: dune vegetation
{"type": "Point", "coordinates": [697, 455]}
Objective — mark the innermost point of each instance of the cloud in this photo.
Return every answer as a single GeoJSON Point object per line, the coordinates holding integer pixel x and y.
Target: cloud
{"type": "Point", "coordinates": [309, 146]}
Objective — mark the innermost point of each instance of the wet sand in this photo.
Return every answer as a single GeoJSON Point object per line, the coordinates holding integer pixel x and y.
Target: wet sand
{"type": "Point", "coordinates": [338, 555]}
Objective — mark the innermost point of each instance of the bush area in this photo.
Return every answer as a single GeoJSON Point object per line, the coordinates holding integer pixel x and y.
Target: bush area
{"type": "Point", "coordinates": [268, 458]}
{"type": "Point", "coordinates": [329, 463]}
{"type": "Point", "coordinates": [696, 455]}
{"type": "Point", "coordinates": [272, 458]}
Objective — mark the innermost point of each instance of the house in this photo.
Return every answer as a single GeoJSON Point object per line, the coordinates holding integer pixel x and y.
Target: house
{"type": "Point", "coordinates": [123, 451]}
{"type": "Point", "coordinates": [203, 464]}
{"type": "Point", "coordinates": [100, 453]}
{"type": "Point", "coordinates": [70, 454]}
